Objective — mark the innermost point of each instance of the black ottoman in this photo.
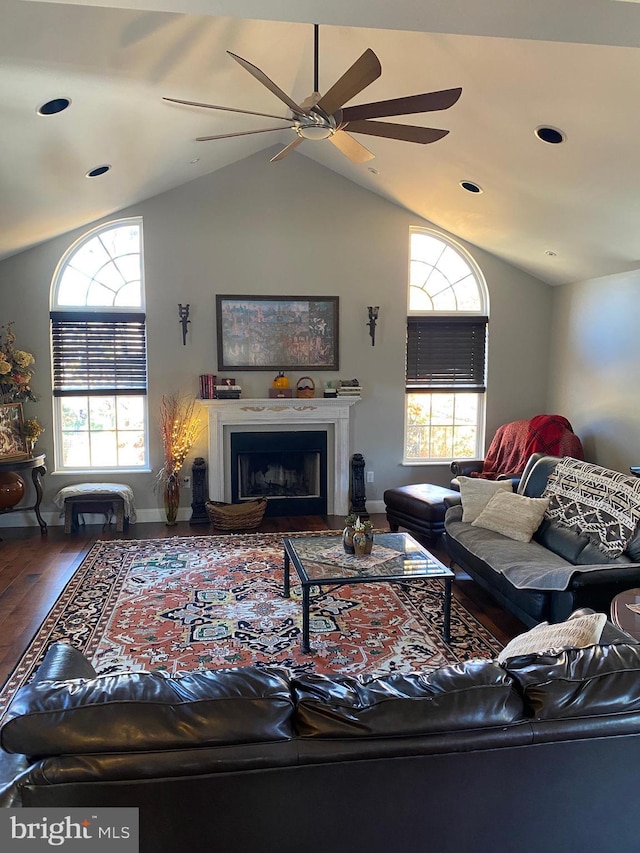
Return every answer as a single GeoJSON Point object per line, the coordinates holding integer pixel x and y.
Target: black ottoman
{"type": "Point", "coordinates": [419, 509]}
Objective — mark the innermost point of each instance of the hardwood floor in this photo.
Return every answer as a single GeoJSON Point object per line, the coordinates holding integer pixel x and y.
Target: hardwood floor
{"type": "Point", "coordinates": [34, 569]}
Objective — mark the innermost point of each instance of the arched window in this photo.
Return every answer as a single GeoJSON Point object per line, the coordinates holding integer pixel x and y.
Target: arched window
{"type": "Point", "coordinates": [446, 352]}
{"type": "Point", "coordinates": [99, 356]}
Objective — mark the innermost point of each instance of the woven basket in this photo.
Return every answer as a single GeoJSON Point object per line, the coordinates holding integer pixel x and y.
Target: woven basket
{"type": "Point", "coordinates": [305, 391]}
{"type": "Point", "coordinates": [241, 516]}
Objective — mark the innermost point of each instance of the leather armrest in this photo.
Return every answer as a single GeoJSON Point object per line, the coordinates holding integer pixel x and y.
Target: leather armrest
{"type": "Point", "coordinates": [61, 662]}
{"type": "Point", "coordinates": [627, 573]}
{"type": "Point", "coordinates": [464, 467]}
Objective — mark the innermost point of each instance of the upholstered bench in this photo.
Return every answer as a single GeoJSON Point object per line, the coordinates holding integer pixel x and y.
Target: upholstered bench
{"type": "Point", "coordinates": [420, 509]}
{"type": "Point", "coordinates": [106, 498]}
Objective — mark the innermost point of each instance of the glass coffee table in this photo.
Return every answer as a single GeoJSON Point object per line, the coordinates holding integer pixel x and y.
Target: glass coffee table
{"type": "Point", "coordinates": [320, 561]}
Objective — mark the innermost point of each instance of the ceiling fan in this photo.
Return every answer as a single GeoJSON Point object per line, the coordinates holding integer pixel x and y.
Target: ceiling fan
{"type": "Point", "coordinates": [326, 117]}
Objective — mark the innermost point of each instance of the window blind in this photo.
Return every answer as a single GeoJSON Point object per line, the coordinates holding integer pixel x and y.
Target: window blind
{"type": "Point", "coordinates": [446, 354]}
{"type": "Point", "coordinates": [98, 353]}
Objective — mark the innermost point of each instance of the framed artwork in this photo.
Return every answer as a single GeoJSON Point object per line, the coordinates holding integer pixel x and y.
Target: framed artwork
{"type": "Point", "coordinates": [12, 441]}
{"type": "Point", "coordinates": [277, 332]}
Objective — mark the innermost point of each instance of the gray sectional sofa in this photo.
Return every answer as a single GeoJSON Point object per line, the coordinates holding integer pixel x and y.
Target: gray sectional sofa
{"type": "Point", "coordinates": [560, 569]}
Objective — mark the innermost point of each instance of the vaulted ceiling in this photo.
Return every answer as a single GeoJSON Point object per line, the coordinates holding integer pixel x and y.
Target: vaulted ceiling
{"type": "Point", "coordinates": [562, 212]}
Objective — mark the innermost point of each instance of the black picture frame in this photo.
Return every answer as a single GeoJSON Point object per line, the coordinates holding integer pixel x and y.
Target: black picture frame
{"type": "Point", "coordinates": [277, 332]}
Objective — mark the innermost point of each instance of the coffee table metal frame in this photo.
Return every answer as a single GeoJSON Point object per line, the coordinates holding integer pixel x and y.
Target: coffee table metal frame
{"type": "Point", "coordinates": [417, 564]}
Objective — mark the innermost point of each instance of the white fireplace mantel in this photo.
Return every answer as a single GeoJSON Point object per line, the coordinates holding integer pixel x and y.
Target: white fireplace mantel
{"type": "Point", "coordinates": [332, 414]}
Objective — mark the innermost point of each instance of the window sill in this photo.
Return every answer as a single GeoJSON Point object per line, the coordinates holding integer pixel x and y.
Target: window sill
{"type": "Point", "coordinates": [73, 472]}
{"type": "Point", "coordinates": [414, 463]}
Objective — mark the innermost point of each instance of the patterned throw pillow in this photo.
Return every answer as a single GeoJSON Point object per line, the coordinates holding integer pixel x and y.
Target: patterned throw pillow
{"type": "Point", "coordinates": [513, 515]}
{"type": "Point", "coordinates": [596, 501]}
{"type": "Point", "coordinates": [476, 494]}
{"type": "Point", "coordinates": [577, 633]}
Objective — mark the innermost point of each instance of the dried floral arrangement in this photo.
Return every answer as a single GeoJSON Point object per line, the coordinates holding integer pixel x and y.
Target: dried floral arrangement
{"type": "Point", "coordinates": [15, 369]}
{"type": "Point", "coordinates": [180, 426]}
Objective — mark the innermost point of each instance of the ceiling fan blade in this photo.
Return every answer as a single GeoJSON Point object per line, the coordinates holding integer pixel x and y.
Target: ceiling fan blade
{"type": "Point", "coordinates": [271, 86]}
{"type": "Point", "coordinates": [428, 102]}
{"type": "Point", "coordinates": [350, 147]}
{"type": "Point", "coordinates": [405, 132]}
{"type": "Point", "coordinates": [227, 109]}
{"type": "Point", "coordinates": [289, 148]}
{"type": "Point", "coordinates": [238, 133]}
{"type": "Point", "coordinates": [363, 72]}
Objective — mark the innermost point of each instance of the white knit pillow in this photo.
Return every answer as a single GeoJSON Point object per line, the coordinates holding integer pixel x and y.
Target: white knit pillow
{"type": "Point", "coordinates": [575, 633]}
{"type": "Point", "coordinates": [476, 493]}
{"type": "Point", "coordinates": [513, 515]}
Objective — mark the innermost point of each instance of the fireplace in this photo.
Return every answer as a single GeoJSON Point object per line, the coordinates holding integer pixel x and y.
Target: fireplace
{"type": "Point", "coordinates": [258, 416]}
{"type": "Point", "coordinates": [289, 469]}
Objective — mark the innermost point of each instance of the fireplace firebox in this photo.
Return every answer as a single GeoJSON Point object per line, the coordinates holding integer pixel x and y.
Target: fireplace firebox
{"type": "Point", "coordinates": [289, 469]}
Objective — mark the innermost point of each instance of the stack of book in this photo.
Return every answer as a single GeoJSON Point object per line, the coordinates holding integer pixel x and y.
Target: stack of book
{"type": "Point", "coordinates": [348, 390]}
{"type": "Point", "coordinates": [207, 386]}
{"type": "Point", "coordinates": [226, 389]}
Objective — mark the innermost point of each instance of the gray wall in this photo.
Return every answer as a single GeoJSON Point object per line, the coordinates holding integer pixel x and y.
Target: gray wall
{"type": "Point", "coordinates": [595, 359]}
{"type": "Point", "coordinates": [289, 228]}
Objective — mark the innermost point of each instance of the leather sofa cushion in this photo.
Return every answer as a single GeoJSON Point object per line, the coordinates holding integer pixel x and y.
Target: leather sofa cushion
{"type": "Point", "coordinates": [598, 680]}
{"type": "Point", "coordinates": [591, 555]}
{"type": "Point", "coordinates": [459, 696]}
{"type": "Point", "coordinates": [563, 541]}
{"type": "Point", "coordinates": [146, 711]}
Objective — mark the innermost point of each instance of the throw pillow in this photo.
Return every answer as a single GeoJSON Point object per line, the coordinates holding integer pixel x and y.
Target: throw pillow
{"type": "Point", "coordinates": [577, 633]}
{"type": "Point", "coordinates": [475, 494]}
{"type": "Point", "coordinates": [513, 515]}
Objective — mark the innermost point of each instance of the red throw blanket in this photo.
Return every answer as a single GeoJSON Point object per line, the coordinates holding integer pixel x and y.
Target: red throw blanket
{"type": "Point", "coordinates": [514, 443]}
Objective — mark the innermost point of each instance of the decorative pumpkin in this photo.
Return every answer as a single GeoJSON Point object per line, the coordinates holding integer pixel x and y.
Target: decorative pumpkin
{"type": "Point", "coordinates": [281, 381]}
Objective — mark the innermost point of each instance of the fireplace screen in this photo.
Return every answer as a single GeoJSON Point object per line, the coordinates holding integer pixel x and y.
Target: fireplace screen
{"type": "Point", "coordinates": [278, 475]}
{"type": "Point", "coordinates": [287, 468]}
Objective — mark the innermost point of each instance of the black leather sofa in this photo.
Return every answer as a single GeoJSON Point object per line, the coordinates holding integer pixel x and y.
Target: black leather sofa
{"type": "Point", "coordinates": [483, 553]}
{"type": "Point", "coordinates": [539, 753]}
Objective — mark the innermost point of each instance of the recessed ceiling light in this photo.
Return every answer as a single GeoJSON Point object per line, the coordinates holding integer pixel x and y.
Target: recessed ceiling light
{"type": "Point", "coordinates": [99, 170]}
{"type": "Point", "coordinates": [550, 134]}
{"type": "Point", "coordinates": [471, 187]}
{"type": "Point", "coordinates": [194, 161]}
{"type": "Point", "coordinates": [550, 253]}
{"type": "Point", "coordinates": [57, 105]}
{"type": "Point", "coordinates": [373, 171]}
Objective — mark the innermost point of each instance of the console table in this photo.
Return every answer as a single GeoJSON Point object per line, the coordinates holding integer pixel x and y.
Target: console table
{"type": "Point", "coordinates": [37, 467]}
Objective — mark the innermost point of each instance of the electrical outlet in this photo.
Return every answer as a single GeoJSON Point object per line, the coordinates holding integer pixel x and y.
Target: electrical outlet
{"type": "Point", "coordinates": [186, 482]}
{"type": "Point", "coordinates": [370, 477]}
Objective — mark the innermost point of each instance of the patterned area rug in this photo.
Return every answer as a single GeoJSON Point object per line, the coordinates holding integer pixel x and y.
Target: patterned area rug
{"type": "Point", "coordinates": [216, 601]}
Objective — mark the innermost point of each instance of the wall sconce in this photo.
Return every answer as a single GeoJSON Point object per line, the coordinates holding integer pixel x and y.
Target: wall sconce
{"type": "Point", "coordinates": [373, 319]}
{"type": "Point", "coordinates": [183, 313]}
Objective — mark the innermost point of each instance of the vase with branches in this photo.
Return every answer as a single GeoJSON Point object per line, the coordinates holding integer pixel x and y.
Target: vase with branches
{"type": "Point", "coordinates": [180, 426]}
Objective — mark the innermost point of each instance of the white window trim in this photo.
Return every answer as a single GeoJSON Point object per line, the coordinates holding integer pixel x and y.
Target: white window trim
{"type": "Point", "coordinates": [59, 467]}
{"type": "Point", "coordinates": [412, 462]}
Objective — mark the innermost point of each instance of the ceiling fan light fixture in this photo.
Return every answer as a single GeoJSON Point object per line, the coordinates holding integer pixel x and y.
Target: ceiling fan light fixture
{"type": "Point", "coordinates": [551, 135]}
{"type": "Point", "coordinates": [314, 132]}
